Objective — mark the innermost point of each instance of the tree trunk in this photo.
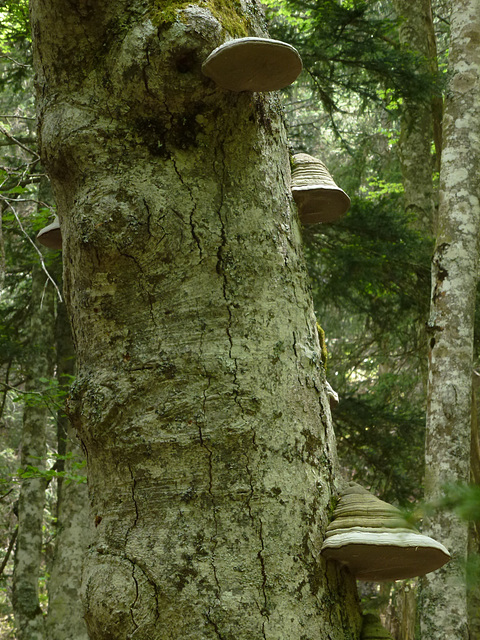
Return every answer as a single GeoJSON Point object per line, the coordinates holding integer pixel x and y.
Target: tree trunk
{"type": "Point", "coordinates": [29, 618]}
{"type": "Point", "coordinates": [419, 119]}
{"type": "Point", "coordinates": [454, 279]}
{"type": "Point", "coordinates": [473, 567]}
{"type": "Point", "coordinates": [200, 396]}
{"type": "Point", "coordinates": [65, 619]}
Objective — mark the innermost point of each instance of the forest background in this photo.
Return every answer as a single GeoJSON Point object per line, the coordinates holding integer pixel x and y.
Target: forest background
{"type": "Point", "coordinates": [363, 90]}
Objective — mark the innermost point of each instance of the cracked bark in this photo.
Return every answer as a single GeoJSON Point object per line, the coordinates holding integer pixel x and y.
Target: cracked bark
{"type": "Point", "coordinates": [443, 609]}
{"type": "Point", "coordinates": [185, 281]}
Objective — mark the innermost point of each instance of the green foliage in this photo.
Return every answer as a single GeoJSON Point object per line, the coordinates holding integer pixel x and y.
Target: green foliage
{"type": "Point", "coordinates": [31, 471]}
{"type": "Point", "coordinates": [351, 46]}
{"type": "Point", "coordinates": [52, 395]}
{"type": "Point", "coordinates": [462, 499]}
{"type": "Point", "coordinates": [15, 44]}
{"type": "Point", "coordinates": [372, 262]}
{"type": "Point", "coordinates": [380, 434]}
{"type": "Point", "coordinates": [371, 285]}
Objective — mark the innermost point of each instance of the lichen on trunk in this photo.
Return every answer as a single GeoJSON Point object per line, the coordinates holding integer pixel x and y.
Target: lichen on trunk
{"type": "Point", "coordinates": [443, 609]}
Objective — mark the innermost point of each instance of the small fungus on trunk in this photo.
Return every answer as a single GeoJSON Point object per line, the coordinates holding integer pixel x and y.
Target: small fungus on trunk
{"type": "Point", "coordinates": [317, 196]}
{"type": "Point", "coordinates": [51, 235]}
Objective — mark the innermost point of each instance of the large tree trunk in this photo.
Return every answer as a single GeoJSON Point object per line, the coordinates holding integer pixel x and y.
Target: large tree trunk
{"type": "Point", "coordinates": [454, 281]}
{"type": "Point", "coordinates": [29, 618]}
{"type": "Point", "coordinates": [65, 619]}
{"type": "Point", "coordinates": [200, 395]}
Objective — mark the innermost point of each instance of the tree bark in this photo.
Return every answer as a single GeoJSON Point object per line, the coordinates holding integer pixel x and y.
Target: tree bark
{"type": "Point", "coordinates": [454, 280]}
{"type": "Point", "coordinates": [419, 119]}
{"type": "Point", "coordinates": [473, 568]}
{"type": "Point", "coordinates": [200, 396]}
{"type": "Point", "coordinates": [29, 617]}
{"type": "Point", "coordinates": [65, 618]}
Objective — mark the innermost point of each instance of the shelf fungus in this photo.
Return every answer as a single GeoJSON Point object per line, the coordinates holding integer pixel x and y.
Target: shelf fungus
{"type": "Point", "coordinates": [375, 541]}
{"type": "Point", "coordinates": [51, 235]}
{"type": "Point", "coordinates": [372, 628]}
{"type": "Point", "coordinates": [317, 196]}
{"type": "Point", "coordinates": [253, 64]}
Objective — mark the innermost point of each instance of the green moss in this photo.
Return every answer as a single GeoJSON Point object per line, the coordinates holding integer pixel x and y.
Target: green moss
{"type": "Point", "coordinates": [323, 346]}
{"type": "Point", "coordinates": [230, 16]}
{"type": "Point", "coordinates": [228, 13]}
{"type": "Point", "coordinates": [332, 505]}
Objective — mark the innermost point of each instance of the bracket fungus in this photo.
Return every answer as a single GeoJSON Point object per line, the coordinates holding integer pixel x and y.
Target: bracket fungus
{"type": "Point", "coordinates": [317, 196]}
{"type": "Point", "coordinates": [253, 64]}
{"type": "Point", "coordinates": [51, 235]}
{"type": "Point", "coordinates": [372, 628]}
{"type": "Point", "coordinates": [373, 539]}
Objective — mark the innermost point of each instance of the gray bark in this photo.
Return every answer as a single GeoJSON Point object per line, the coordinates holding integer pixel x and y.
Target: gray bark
{"type": "Point", "coordinates": [29, 618]}
{"type": "Point", "coordinates": [200, 396]}
{"type": "Point", "coordinates": [454, 280]}
{"type": "Point", "coordinates": [473, 568]}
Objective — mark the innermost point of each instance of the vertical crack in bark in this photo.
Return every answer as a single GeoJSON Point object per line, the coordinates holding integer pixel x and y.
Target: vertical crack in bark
{"type": "Point", "coordinates": [149, 217]}
{"type": "Point", "coordinates": [263, 610]}
{"type": "Point", "coordinates": [220, 268]}
{"type": "Point", "coordinates": [147, 294]}
{"type": "Point", "coordinates": [214, 625]}
{"type": "Point", "coordinates": [132, 606]}
{"type": "Point", "coordinates": [144, 74]}
{"type": "Point", "coordinates": [297, 358]}
{"type": "Point", "coordinates": [194, 206]}
{"type": "Point", "coordinates": [210, 489]}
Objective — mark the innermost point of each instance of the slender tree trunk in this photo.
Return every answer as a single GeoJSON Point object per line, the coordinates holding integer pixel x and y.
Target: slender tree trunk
{"type": "Point", "coordinates": [200, 395]}
{"type": "Point", "coordinates": [454, 279]}
{"type": "Point", "coordinates": [473, 568]}
{"type": "Point", "coordinates": [65, 619]}
{"type": "Point", "coordinates": [29, 618]}
{"type": "Point", "coordinates": [419, 119]}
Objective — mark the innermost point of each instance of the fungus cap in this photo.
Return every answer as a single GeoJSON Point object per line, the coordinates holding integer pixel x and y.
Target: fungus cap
{"type": "Point", "coordinates": [253, 64]}
{"type": "Point", "coordinates": [375, 542]}
{"type": "Point", "coordinates": [51, 235]}
{"type": "Point", "coordinates": [318, 197]}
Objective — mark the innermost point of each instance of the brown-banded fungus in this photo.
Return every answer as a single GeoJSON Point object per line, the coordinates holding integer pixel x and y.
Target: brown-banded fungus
{"type": "Point", "coordinates": [317, 196]}
{"type": "Point", "coordinates": [375, 541]}
{"type": "Point", "coordinates": [51, 235]}
{"type": "Point", "coordinates": [372, 628]}
{"type": "Point", "coordinates": [253, 64]}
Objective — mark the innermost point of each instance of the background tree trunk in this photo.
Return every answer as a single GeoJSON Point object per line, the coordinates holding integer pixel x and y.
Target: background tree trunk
{"type": "Point", "coordinates": [419, 118]}
{"type": "Point", "coordinates": [29, 618]}
{"type": "Point", "coordinates": [200, 394]}
{"type": "Point", "coordinates": [65, 619]}
{"type": "Point", "coordinates": [454, 280]}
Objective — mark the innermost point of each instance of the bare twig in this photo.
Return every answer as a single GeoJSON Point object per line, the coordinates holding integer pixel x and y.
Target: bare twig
{"type": "Point", "coordinates": [6, 494]}
{"type": "Point", "coordinates": [9, 550]}
{"type": "Point", "coordinates": [42, 262]}
{"type": "Point", "coordinates": [17, 142]}
{"type": "Point", "coordinates": [6, 116]}
{"type": "Point", "coordinates": [20, 64]}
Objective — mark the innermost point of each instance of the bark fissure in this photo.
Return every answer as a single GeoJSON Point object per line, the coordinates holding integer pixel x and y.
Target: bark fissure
{"type": "Point", "coordinates": [209, 451]}
{"type": "Point", "coordinates": [214, 625]}
{"type": "Point", "coordinates": [141, 281]}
